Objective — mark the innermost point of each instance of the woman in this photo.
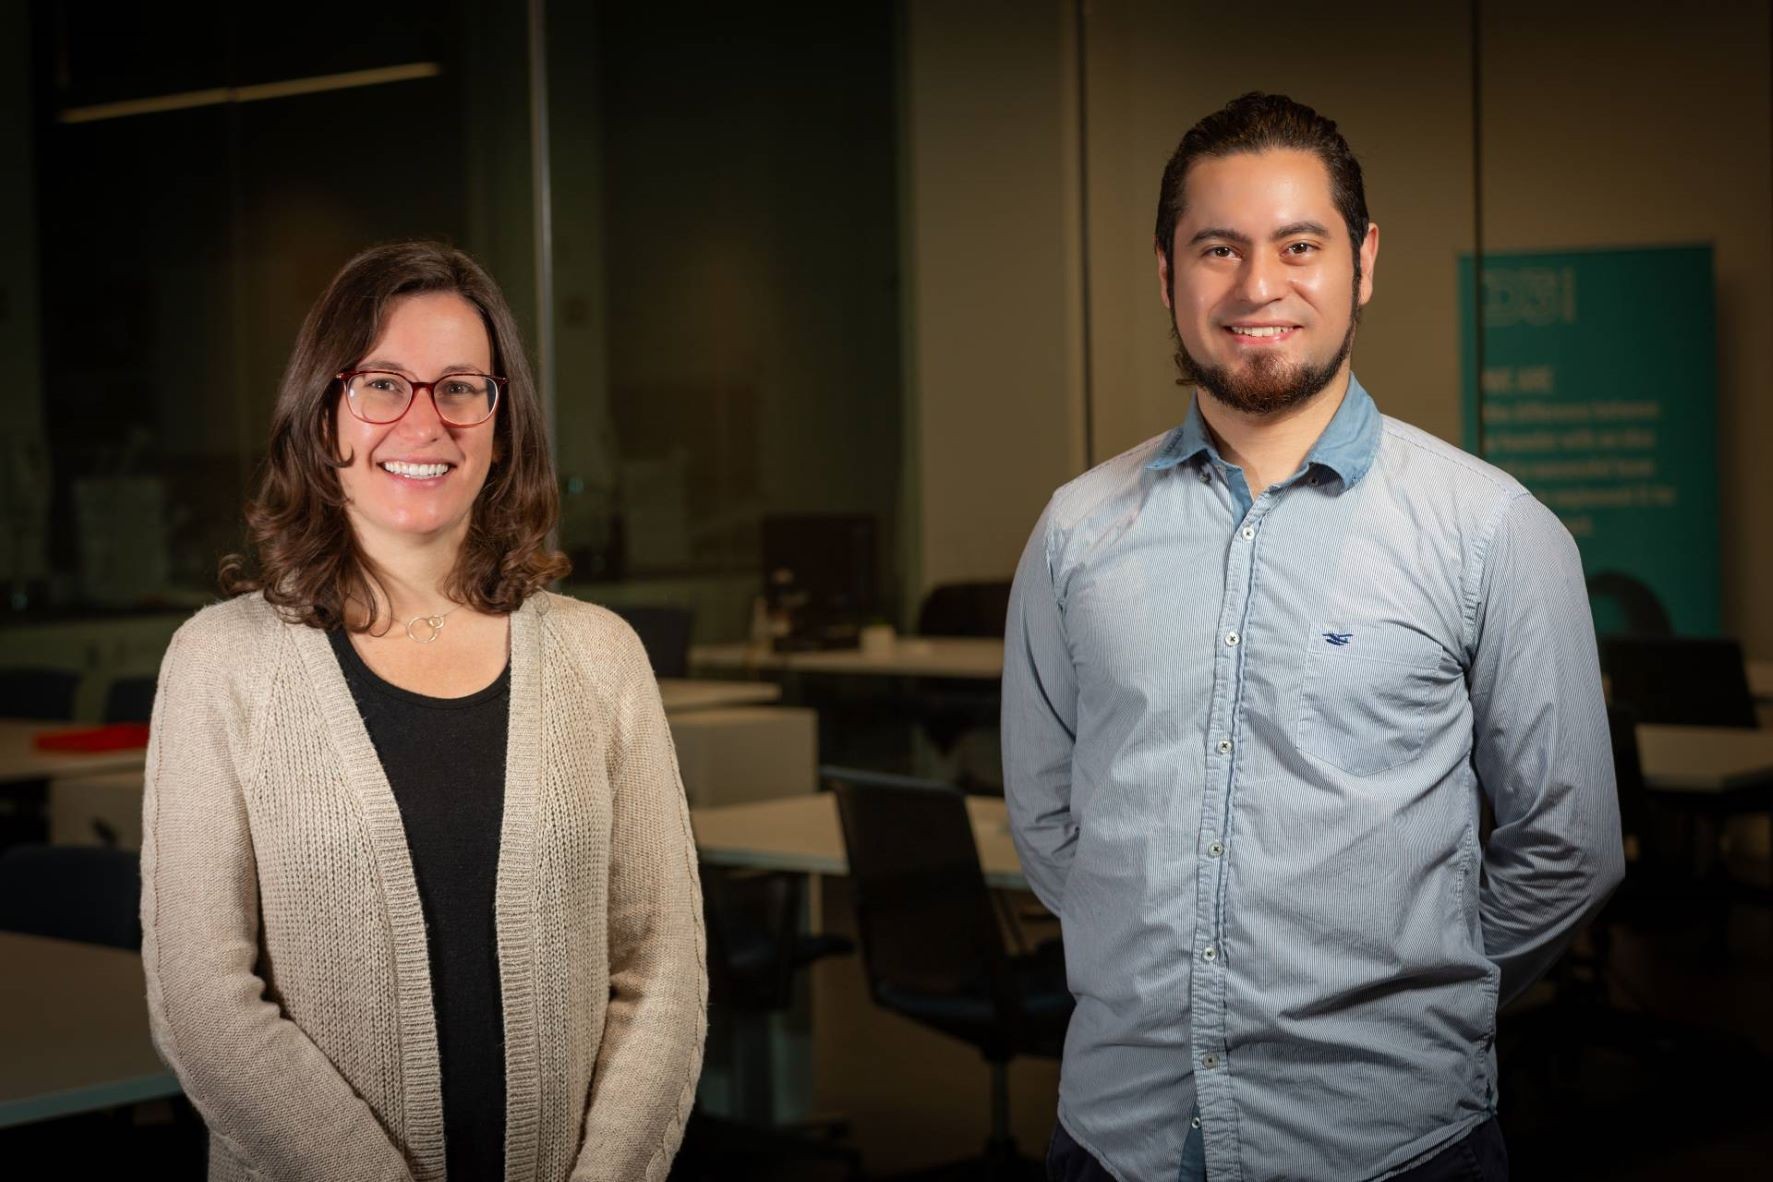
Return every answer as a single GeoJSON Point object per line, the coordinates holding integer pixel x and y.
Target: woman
{"type": "Point", "coordinates": [418, 886]}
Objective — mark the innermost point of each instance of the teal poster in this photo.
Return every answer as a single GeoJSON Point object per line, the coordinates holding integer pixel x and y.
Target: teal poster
{"type": "Point", "coordinates": [1599, 393]}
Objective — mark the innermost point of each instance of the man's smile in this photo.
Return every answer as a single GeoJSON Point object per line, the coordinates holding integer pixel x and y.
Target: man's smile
{"type": "Point", "coordinates": [1264, 334]}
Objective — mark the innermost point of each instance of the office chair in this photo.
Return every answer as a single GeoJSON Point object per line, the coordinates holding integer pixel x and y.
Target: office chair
{"type": "Point", "coordinates": [130, 699]}
{"type": "Point", "coordinates": [755, 950]}
{"type": "Point", "coordinates": [947, 709]}
{"type": "Point", "coordinates": [965, 609]}
{"type": "Point", "coordinates": [665, 634]}
{"type": "Point", "coordinates": [72, 892]}
{"type": "Point", "coordinates": [46, 694]}
{"type": "Point", "coordinates": [931, 941]}
{"type": "Point", "coordinates": [1582, 1019]}
{"type": "Point", "coordinates": [1628, 600]}
{"type": "Point", "coordinates": [1679, 680]}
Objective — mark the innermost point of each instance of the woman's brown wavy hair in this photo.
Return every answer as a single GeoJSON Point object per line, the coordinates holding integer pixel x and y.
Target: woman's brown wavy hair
{"type": "Point", "coordinates": [306, 558]}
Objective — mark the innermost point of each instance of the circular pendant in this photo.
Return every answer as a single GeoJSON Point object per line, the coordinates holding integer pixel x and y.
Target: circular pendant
{"type": "Point", "coordinates": [424, 629]}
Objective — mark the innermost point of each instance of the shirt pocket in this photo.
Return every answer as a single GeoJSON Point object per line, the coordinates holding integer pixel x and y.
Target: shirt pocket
{"type": "Point", "coordinates": [1364, 698]}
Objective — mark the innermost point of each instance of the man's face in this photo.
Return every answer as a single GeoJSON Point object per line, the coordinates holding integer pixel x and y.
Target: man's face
{"type": "Point", "coordinates": [1262, 288]}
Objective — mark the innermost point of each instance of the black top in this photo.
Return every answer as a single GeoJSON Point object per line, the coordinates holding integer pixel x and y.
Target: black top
{"type": "Point", "coordinates": [445, 760]}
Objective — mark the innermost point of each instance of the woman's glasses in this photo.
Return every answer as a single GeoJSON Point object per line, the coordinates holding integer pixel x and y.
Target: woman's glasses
{"type": "Point", "coordinates": [462, 399]}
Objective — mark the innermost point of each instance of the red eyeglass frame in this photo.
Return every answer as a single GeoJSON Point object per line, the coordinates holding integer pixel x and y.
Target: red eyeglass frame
{"type": "Point", "coordinates": [344, 381]}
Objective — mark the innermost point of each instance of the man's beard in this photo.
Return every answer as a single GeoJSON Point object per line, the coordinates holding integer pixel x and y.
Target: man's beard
{"type": "Point", "coordinates": [1266, 385]}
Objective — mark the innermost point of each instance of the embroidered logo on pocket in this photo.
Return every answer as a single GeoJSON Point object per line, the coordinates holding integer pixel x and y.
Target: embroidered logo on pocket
{"type": "Point", "coordinates": [1338, 638]}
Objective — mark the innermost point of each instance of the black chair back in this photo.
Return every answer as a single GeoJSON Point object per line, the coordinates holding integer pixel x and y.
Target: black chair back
{"type": "Point", "coordinates": [965, 609]}
{"type": "Point", "coordinates": [1628, 600]}
{"type": "Point", "coordinates": [72, 892]}
{"type": "Point", "coordinates": [1628, 772]}
{"type": "Point", "coordinates": [1679, 680]}
{"type": "Point", "coordinates": [665, 633]}
{"type": "Point", "coordinates": [752, 920]}
{"type": "Point", "coordinates": [38, 693]}
{"type": "Point", "coordinates": [130, 699]}
{"type": "Point", "coordinates": [921, 903]}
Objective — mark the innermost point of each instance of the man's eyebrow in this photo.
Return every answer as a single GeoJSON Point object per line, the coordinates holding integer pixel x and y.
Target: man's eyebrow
{"type": "Point", "coordinates": [1296, 228]}
{"type": "Point", "coordinates": [1220, 232]}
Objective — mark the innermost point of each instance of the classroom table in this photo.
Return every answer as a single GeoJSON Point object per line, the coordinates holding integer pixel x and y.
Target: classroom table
{"type": "Point", "coordinates": [801, 833]}
{"type": "Point", "coordinates": [1702, 766]}
{"type": "Point", "coordinates": [73, 1030]}
{"type": "Point", "coordinates": [20, 761]}
{"type": "Point", "coordinates": [964, 657]}
{"type": "Point", "coordinates": [1706, 766]}
{"type": "Point", "coordinates": [682, 694]}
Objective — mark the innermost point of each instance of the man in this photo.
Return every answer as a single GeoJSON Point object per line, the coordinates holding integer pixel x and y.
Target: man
{"type": "Point", "coordinates": [1257, 673]}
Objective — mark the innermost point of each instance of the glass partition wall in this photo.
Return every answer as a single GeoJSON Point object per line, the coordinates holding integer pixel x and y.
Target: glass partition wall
{"type": "Point", "coordinates": [708, 237]}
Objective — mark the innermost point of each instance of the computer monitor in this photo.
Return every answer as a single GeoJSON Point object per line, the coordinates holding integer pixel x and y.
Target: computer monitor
{"type": "Point", "coordinates": [819, 577]}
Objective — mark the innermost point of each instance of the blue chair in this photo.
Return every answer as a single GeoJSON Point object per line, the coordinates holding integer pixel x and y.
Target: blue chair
{"type": "Point", "coordinates": [72, 892]}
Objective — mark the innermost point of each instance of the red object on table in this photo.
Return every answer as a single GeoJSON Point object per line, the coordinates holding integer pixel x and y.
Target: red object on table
{"type": "Point", "coordinates": [113, 736]}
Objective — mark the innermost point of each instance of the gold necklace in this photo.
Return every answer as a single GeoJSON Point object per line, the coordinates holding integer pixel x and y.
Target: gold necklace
{"type": "Point", "coordinates": [432, 626]}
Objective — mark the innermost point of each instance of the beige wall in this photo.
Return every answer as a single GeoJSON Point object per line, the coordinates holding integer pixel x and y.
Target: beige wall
{"type": "Point", "coordinates": [1154, 68]}
{"type": "Point", "coordinates": [992, 328]}
{"type": "Point", "coordinates": [1605, 124]}
{"type": "Point", "coordinates": [1632, 124]}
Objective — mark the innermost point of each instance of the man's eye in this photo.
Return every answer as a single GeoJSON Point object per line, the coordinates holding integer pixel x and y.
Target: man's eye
{"type": "Point", "coordinates": [1218, 252]}
{"type": "Point", "coordinates": [1301, 248]}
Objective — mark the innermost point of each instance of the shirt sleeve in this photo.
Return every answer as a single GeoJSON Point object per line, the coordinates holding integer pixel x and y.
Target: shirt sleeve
{"type": "Point", "coordinates": [262, 1085]}
{"type": "Point", "coordinates": [651, 1053]}
{"type": "Point", "coordinates": [1039, 722]}
{"type": "Point", "coordinates": [1542, 750]}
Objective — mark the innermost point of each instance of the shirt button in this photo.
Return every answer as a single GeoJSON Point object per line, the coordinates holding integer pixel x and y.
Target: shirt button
{"type": "Point", "coordinates": [1194, 1123]}
{"type": "Point", "coordinates": [1225, 746]}
{"type": "Point", "coordinates": [1249, 532]}
{"type": "Point", "coordinates": [1215, 849]}
{"type": "Point", "coordinates": [1231, 639]}
{"type": "Point", "coordinates": [1209, 1060]}
{"type": "Point", "coordinates": [1210, 954]}
{"type": "Point", "coordinates": [1206, 478]}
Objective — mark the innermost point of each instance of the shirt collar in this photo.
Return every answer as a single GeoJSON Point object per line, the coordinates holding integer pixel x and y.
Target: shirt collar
{"type": "Point", "coordinates": [1347, 447]}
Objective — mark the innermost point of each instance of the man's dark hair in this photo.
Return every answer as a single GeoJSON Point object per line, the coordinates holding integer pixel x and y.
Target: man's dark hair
{"type": "Point", "coordinates": [1258, 122]}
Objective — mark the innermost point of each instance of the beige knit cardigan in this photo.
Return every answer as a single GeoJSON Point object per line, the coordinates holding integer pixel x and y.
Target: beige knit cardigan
{"type": "Point", "coordinates": [288, 980]}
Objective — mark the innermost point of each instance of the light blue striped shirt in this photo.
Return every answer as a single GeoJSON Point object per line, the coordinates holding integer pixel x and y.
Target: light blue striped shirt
{"type": "Point", "coordinates": [1244, 743]}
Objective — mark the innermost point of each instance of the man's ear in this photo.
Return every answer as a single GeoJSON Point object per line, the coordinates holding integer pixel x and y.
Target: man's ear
{"type": "Point", "coordinates": [1369, 261]}
{"type": "Point", "coordinates": [1163, 271]}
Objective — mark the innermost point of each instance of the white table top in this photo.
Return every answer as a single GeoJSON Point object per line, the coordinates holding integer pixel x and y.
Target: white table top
{"type": "Point", "coordinates": [1696, 760]}
{"type": "Point", "coordinates": [802, 833]}
{"type": "Point", "coordinates": [683, 693]}
{"type": "Point", "coordinates": [73, 1030]}
{"type": "Point", "coordinates": [973, 658]}
{"type": "Point", "coordinates": [20, 760]}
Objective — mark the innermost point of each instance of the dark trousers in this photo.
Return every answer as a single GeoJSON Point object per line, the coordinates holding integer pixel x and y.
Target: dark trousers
{"type": "Point", "coordinates": [1479, 1156]}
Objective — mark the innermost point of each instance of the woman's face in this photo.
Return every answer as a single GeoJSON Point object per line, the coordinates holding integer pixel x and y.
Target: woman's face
{"type": "Point", "coordinates": [415, 479]}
